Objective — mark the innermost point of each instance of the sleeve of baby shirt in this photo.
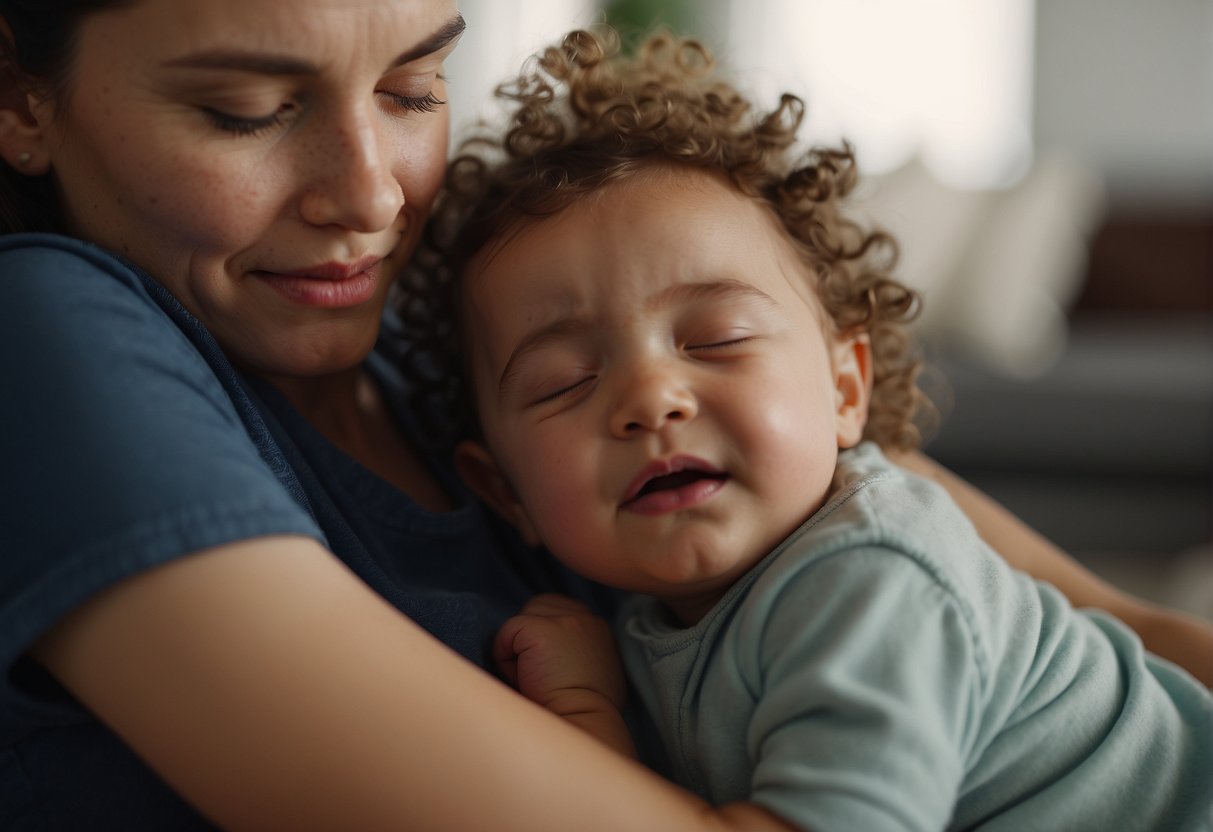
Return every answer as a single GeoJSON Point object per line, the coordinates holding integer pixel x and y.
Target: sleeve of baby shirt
{"type": "Point", "coordinates": [870, 683]}
{"type": "Point", "coordinates": [120, 448]}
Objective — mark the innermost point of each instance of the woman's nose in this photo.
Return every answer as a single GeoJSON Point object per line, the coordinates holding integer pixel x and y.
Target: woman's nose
{"type": "Point", "coordinates": [354, 182]}
{"type": "Point", "coordinates": [651, 401]}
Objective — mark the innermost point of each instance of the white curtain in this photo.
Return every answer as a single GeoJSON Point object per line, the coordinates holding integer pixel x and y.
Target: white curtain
{"type": "Point", "coordinates": [947, 81]}
{"type": "Point", "coordinates": [500, 35]}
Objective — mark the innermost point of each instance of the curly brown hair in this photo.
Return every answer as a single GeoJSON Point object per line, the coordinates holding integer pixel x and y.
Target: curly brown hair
{"type": "Point", "coordinates": [584, 114]}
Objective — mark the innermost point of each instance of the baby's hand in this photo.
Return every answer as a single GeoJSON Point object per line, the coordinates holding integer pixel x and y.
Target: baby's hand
{"type": "Point", "coordinates": [562, 656]}
{"type": "Point", "coordinates": [556, 647]}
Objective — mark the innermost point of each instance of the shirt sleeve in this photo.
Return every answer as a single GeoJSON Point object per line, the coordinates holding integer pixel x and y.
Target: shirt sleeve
{"type": "Point", "coordinates": [120, 448]}
{"type": "Point", "coordinates": [870, 683]}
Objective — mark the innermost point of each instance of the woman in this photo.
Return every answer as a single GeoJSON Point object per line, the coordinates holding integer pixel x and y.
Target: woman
{"type": "Point", "coordinates": [236, 589]}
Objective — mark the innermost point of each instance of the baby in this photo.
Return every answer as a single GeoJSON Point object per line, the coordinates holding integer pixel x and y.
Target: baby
{"type": "Point", "coordinates": [685, 361]}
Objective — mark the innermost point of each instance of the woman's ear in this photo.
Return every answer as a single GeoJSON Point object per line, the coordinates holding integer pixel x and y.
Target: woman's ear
{"type": "Point", "coordinates": [22, 143]}
{"type": "Point", "coordinates": [479, 470]}
{"type": "Point", "coordinates": [20, 146]}
{"type": "Point", "coordinates": [852, 385]}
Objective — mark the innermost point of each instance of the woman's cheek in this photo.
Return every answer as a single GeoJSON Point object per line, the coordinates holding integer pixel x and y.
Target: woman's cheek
{"type": "Point", "coordinates": [423, 164]}
{"type": "Point", "coordinates": [246, 220]}
{"type": "Point", "coordinates": [216, 206]}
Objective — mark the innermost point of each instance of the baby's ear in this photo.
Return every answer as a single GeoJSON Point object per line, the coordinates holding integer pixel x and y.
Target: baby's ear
{"type": "Point", "coordinates": [853, 386]}
{"type": "Point", "coordinates": [478, 468]}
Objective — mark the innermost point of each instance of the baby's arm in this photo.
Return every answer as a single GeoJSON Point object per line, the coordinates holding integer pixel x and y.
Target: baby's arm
{"type": "Point", "coordinates": [1183, 639]}
{"type": "Point", "coordinates": [561, 656]}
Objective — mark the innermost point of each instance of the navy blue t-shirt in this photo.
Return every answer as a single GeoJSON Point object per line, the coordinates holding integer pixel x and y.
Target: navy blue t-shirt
{"type": "Point", "coordinates": [127, 440]}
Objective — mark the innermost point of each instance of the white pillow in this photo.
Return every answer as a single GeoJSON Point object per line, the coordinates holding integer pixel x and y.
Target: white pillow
{"type": "Point", "coordinates": [998, 270]}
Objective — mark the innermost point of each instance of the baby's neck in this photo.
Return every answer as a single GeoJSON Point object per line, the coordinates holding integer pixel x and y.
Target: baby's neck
{"type": "Point", "coordinates": [690, 611]}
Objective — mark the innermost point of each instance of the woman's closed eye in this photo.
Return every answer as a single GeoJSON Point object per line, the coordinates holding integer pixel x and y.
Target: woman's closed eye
{"type": "Point", "coordinates": [250, 125]}
{"type": "Point", "coordinates": [427, 103]}
{"type": "Point", "coordinates": [413, 93]}
{"type": "Point", "coordinates": [242, 125]}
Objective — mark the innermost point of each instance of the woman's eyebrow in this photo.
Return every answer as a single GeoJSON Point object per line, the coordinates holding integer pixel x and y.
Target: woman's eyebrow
{"type": "Point", "coordinates": [268, 63]}
{"type": "Point", "coordinates": [443, 37]}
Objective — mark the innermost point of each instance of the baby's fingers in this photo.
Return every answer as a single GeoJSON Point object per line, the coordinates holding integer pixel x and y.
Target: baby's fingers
{"type": "Point", "coordinates": [505, 655]}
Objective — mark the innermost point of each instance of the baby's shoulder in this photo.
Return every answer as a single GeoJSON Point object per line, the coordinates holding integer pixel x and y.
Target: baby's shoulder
{"type": "Point", "coordinates": [882, 509]}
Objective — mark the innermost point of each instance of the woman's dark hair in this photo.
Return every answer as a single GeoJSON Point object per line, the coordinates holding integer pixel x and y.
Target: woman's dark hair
{"type": "Point", "coordinates": [36, 55]}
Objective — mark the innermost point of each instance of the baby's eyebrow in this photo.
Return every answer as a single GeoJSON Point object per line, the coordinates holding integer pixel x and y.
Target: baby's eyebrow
{"type": "Point", "coordinates": [725, 289]}
{"type": "Point", "coordinates": [557, 330]}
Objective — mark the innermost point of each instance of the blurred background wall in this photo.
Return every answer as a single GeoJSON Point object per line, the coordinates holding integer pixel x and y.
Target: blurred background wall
{"type": "Point", "coordinates": [1048, 168]}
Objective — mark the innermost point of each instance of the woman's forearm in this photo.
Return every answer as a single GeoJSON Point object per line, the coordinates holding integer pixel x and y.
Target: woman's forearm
{"type": "Point", "coordinates": [272, 689]}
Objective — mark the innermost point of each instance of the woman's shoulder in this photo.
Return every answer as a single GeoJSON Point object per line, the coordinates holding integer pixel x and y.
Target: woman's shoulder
{"type": "Point", "coordinates": [68, 298]}
{"type": "Point", "coordinates": [34, 253]}
{"type": "Point", "coordinates": [50, 277]}
{"type": "Point", "coordinates": [123, 445]}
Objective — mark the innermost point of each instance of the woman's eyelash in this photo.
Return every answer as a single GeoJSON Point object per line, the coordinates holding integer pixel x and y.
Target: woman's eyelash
{"type": "Point", "coordinates": [241, 126]}
{"type": "Point", "coordinates": [427, 103]}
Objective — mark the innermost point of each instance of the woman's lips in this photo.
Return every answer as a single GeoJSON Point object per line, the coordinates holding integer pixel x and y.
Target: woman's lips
{"type": "Point", "coordinates": [670, 485]}
{"type": "Point", "coordinates": [329, 285]}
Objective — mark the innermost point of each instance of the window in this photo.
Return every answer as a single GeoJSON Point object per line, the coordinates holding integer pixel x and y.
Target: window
{"type": "Point", "coordinates": [947, 80]}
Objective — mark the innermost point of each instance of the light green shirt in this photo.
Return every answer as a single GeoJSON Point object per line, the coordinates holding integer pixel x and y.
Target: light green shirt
{"type": "Point", "coordinates": [883, 669]}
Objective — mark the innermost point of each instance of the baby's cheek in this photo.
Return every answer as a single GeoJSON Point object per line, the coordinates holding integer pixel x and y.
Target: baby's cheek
{"type": "Point", "coordinates": [792, 445]}
{"type": "Point", "coordinates": [560, 499]}
{"type": "Point", "coordinates": [558, 507]}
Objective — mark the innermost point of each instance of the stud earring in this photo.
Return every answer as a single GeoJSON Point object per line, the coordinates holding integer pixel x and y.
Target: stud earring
{"type": "Point", "coordinates": [23, 158]}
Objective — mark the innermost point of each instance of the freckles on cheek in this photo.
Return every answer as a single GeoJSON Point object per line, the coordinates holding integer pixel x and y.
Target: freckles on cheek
{"type": "Point", "coordinates": [221, 208]}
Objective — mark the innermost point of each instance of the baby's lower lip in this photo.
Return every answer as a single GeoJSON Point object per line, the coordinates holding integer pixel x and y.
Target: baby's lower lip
{"type": "Point", "coordinates": [668, 500]}
{"type": "Point", "coordinates": [322, 292]}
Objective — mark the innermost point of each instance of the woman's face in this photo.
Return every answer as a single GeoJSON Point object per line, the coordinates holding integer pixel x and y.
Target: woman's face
{"type": "Point", "coordinates": [271, 162]}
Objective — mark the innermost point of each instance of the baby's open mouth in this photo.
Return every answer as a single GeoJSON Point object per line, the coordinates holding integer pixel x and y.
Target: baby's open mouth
{"type": "Point", "coordinates": [672, 484]}
{"type": "Point", "coordinates": [676, 480]}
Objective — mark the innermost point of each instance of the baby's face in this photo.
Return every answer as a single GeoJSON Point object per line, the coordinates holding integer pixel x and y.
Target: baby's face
{"type": "Point", "coordinates": [660, 402]}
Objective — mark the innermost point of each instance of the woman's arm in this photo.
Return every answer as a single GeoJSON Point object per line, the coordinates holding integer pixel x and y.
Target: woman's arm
{"type": "Point", "coordinates": [273, 689]}
{"type": "Point", "coordinates": [1183, 639]}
